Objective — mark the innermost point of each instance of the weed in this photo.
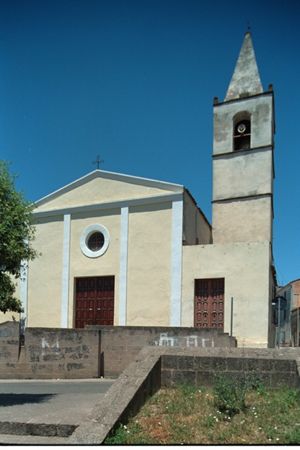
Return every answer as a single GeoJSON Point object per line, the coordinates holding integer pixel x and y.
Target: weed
{"type": "Point", "coordinates": [188, 390]}
{"type": "Point", "coordinates": [181, 434]}
{"type": "Point", "coordinates": [186, 415]}
{"type": "Point", "coordinates": [254, 382]}
{"type": "Point", "coordinates": [182, 398]}
{"type": "Point", "coordinates": [290, 397]}
{"type": "Point", "coordinates": [119, 436]}
{"type": "Point", "coordinates": [209, 421]}
{"type": "Point", "coordinates": [292, 437]}
{"type": "Point", "coordinates": [229, 395]}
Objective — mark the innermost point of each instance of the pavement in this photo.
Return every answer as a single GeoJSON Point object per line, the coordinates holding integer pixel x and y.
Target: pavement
{"type": "Point", "coordinates": [46, 411]}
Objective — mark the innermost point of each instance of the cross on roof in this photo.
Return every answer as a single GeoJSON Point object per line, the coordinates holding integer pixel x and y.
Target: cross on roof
{"type": "Point", "coordinates": [98, 161]}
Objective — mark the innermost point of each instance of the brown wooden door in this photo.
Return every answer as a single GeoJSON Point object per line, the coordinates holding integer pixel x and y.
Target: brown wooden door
{"type": "Point", "coordinates": [94, 301]}
{"type": "Point", "coordinates": [209, 303]}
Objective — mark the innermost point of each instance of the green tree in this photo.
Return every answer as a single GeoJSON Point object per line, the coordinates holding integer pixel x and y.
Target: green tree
{"type": "Point", "coordinates": [16, 235]}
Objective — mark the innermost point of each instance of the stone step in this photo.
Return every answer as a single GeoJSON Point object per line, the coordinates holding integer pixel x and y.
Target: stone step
{"type": "Point", "coordinates": [36, 429]}
{"type": "Point", "coordinates": [14, 439]}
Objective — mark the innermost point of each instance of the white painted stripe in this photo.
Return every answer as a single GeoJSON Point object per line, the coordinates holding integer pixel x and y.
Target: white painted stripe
{"type": "Point", "coordinates": [24, 293]}
{"type": "Point", "coordinates": [65, 273]}
{"type": "Point", "coordinates": [110, 205]}
{"type": "Point", "coordinates": [176, 263]}
{"type": "Point", "coordinates": [123, 266]}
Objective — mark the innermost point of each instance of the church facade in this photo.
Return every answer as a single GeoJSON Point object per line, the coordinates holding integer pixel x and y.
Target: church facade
{"type": "Point", "coordinates": [123, 250]}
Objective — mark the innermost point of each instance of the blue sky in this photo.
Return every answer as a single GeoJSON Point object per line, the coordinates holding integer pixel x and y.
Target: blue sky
{"type": "Point", "coordinates": [134, 82]}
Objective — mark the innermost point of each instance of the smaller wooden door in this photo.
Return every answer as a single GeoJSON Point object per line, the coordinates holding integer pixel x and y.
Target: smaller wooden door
{"type": "Point", "coordinates": [94, 301]}
{"type": "Point", "coordinates": [209, 303]}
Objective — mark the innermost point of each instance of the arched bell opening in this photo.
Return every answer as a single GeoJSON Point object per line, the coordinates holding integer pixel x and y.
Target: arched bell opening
{"type": "Point", "coordinates": [242, 131]}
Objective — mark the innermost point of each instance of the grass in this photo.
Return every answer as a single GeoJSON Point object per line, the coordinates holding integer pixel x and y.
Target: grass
{"type": "Point", "coordinates": [189, 415]}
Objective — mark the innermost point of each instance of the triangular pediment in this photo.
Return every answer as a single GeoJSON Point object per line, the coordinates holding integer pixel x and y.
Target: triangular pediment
{"type": "Point", "coordinates": [101, 186]}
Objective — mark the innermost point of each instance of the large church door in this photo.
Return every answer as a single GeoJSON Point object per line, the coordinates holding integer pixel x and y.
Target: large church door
{"type": "Point", "coordinates": [209, 303]}
{"type": "Point", "coordinates": [94, 301]}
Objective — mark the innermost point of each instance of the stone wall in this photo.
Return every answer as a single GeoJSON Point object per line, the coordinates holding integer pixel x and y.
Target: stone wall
{"type": "Point", "coordinates": [274, 367]}
{"type": "Point", "coordinates": [202, 371]}
{"type": "Point", "coordinates": [120, 345]}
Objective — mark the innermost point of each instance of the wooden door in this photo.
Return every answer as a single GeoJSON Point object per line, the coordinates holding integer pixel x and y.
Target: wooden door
{"type": "Point", "coordinates": [94, 301]}
{"type": "Point", "coordinates": [209, 303]}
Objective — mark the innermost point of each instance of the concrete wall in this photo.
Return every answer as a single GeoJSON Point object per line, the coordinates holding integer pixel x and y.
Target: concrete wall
{"type": "Point", "coordinates": [48, 353]}
{"type": "Point", "coordinates": [9, 342]}
{"type": "Point", "coordinates": [243, 174]}
{"type": "Point", "coordinates": [245, 267]}
{"type": "Point", "coordinates": [62, 353]}
{"type": "Point", "coordinates": [244, 220]}
{"type": "Point", "coordinates": [93, 351]}
{"type": "Point", "coordinates": [120, 345]}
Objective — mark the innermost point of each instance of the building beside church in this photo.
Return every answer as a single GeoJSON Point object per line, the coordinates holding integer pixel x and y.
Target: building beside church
{"type": "Point", "coordinates": [287, 314]}
{"type": "Point", "coordinates": [123, 250]}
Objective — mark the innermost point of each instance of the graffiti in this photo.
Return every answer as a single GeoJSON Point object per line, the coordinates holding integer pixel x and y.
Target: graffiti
{"type": "Point", "coordinates": [183, 341]}
{"type": "Point", "coordinates": [167, 341]}
{"type": "Point", "coordinates": [52, 347]}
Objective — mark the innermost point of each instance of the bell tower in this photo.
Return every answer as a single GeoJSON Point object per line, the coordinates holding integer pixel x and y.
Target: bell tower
{"type": "Point", "coordinates": [243, 169]}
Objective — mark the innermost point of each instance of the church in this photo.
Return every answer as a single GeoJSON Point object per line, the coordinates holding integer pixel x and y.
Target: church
{"type": "Point", "coordinates": [129, 251]}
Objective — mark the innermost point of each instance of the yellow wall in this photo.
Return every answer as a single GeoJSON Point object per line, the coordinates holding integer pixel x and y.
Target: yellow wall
{"type": "Point", "coordinates": [149, 265]}
{"type": "Point", "coordinates": [107, 264]}
{"type": "Point", "coordinates": [149, 252]}
{"type": "Point", "coordinates": [45, 275]}
{"type": "Point", "coordinates": [245, 267]}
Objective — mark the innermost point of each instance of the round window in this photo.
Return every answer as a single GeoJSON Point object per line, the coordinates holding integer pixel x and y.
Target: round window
{"type": "Point", "coordinates": [94, 240]}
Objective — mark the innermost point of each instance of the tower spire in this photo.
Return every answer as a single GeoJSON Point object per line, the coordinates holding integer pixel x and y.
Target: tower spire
{"type": "Point", "coordinates": [245, 80]}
